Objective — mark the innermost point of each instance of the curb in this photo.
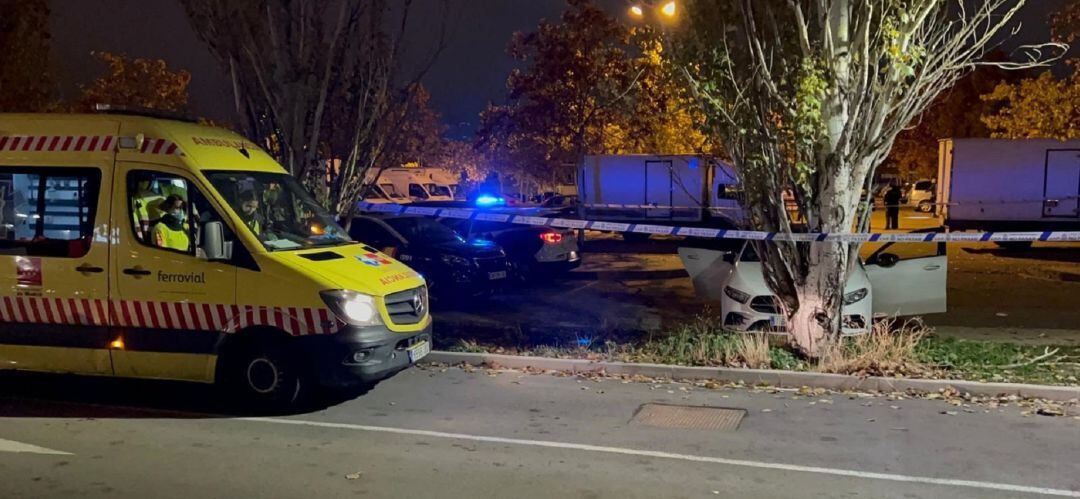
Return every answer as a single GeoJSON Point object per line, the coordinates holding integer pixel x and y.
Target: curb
{"type": "Point", "coordinates": [778, 378]}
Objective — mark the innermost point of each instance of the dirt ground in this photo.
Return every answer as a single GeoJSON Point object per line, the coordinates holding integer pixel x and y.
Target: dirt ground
{"type": "Point", "coordinates": [629, 289]}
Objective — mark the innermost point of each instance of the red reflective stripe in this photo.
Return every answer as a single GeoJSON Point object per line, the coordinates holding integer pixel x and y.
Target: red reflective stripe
{"type": "Point", "coordinates": [100, 312]}
{"type": "Point", "coordinates": [25, 310]}
{"type": "Point", "coordinates": [308, 320]}
{"type": "Point", "coordinates": [208, 318]}
{"type": "Point", "coordinates": [163, 314]}
{"type": "Point", "coordinates": [67, 314]}
{"type": "Point", "coordinates": [27, 143]}
{"type": "Point", "coordinates": [9, 310]}
{"type": "Point", "coordinates": [15, 143]}
{"type": "Point", "coordinates": [47, 308]}
{"type": "Point", "coordinates": [67, 143]}
{"type": "Point", "coordinates": [106, 143]}
{"type": "Point", "coordinates": [279, 318]}
{"type": "Point", "coordinates": [157, 146]}
{"type": "Point", "coordinates": [181, 321]}
{"type": "Point", "coordinates": [147, 316]}
{"type": "Point", "coordinates": [52, 143]}
{"type": "Point", "coordinates": [131, 314]}
{"type": "Point", "coordinates": [171, 149]}
{"type": "Point", "coordinates": [79, 143]}
{"type": "Point", "coordinates": [75, 315]}
{"type": "Point", "coordinates": [86, 308]}
{"type": "Point", "coordinates": [3, 142]}
{"type": "Point", "coordinates": [222, 317]}
{"type": "Point", "coordinates": [293, 324]}
{"type": "Point", "coordinates": [92, 146]}
{"type": "Point", "coordinates": [116, 312]}
{"type": "Point", "coordinates": [41, 143]}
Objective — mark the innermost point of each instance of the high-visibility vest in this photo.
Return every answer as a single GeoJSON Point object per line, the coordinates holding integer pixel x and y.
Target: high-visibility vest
{"type": "Point", "coordinates": [165, 237]}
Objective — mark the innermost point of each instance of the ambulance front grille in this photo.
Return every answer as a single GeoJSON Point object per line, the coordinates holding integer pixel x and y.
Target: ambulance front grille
{"type": "Point", "coordinates": [407, 307]}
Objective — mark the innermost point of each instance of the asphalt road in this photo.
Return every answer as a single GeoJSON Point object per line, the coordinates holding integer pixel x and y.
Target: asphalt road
{"type": "Point", "coordinates": [450, 433]}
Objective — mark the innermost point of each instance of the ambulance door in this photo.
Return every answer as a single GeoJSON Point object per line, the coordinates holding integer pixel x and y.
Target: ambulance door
{"type": "Point", "coordinates": [170, 302]}
{"type": "Point", "coordinates": [54, 251]}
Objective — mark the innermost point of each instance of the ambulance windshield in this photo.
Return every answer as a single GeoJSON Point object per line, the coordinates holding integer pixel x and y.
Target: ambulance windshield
{"type": "Point", "coordinates": [278, 210]}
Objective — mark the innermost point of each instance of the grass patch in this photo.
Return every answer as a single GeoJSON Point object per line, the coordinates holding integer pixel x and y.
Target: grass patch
{"type": "Point", "coordinates": [1004, 362]}
{"type": "Point", "coordinates": [891, 349]}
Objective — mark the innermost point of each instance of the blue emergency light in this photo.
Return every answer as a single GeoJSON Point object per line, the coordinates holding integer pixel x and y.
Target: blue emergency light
{"type": "Point", "coordinates": [489, 200]}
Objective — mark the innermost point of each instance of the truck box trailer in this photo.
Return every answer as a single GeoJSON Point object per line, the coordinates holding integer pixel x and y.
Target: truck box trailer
{"type": "Point", "coordinates": [1009, 185]}
{"type": "Point", "coordinates": [690, 190]}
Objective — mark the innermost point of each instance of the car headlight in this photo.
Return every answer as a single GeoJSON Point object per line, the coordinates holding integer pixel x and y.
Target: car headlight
{"type": "Point", "coordinates": [736, 295]}
{"type": "Point", "coordinates": [455, 261]}
{"type": "Point", "coordinates": [855, 296]}
{"type": "Point", "coordinates": [351, 307]}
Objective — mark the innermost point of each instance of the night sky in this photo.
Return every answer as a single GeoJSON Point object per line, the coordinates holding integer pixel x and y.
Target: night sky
{"type": "Point", "coordinates": [470, 73]}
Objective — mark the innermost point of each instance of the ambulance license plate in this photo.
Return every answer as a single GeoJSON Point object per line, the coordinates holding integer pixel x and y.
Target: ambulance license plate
{"type": "Point", "coordinates": [419, 350]}
{"type": "Point", "coordinates": [492, 276]}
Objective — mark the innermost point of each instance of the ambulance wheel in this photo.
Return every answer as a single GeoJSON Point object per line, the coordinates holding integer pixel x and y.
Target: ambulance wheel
{"type": "Point", "coordinates": [265, 375]}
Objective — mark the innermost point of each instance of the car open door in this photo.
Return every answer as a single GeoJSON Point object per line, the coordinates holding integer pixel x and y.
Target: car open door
{"type": "Point", "coordinates": [908, 278]}
{"type": "Point", "coordinates": [709, 266]}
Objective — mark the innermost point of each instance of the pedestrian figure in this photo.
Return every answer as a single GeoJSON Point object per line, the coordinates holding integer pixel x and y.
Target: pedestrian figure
{"type": "Point", "coordinates": [892, 207]}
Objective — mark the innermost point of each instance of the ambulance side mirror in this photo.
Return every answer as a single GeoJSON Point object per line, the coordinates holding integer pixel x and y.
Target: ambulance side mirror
{"type": "Point", "coordinates": [213, 241]}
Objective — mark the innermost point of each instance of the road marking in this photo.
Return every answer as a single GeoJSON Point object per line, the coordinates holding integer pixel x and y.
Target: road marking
{"type": "Point", "coordinates": [19, 447]}
{"type": "Point", "coordinates": [682, 457]}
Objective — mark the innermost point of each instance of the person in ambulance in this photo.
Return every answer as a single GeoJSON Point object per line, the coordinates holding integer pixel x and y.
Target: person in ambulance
{"type": "Point", "coordinates": [170, 231]}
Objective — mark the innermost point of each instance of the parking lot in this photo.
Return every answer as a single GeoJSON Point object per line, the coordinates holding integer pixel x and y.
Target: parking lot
{"type": "Point", "coordinates": [636, 289]}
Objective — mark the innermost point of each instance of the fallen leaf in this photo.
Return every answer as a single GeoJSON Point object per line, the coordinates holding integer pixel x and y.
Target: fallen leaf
{"type": "Point", "coordinates": [353, 476]}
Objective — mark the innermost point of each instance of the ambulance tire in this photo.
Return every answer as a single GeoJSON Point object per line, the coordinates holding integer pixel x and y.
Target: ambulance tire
{"type": "Point", "coordinates": [266, 377]}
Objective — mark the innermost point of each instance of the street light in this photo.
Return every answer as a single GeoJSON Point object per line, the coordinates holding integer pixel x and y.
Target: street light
{"type": "Point", "coordinates": [665, 11]}
{"type": "Point", "coordinates": [668, 9]}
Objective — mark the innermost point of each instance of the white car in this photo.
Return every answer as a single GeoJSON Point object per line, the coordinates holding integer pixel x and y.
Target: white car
{"type": "Point", "coordinates": [921, 195]}
{"type": "Point", "coordinates": [886, 285]}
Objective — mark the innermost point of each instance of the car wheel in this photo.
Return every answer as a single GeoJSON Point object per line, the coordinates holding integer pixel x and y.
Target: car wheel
{"type": "Point", "coordinates": [925, 206]}
{"type": "Point", "coordinates": [267, 377]}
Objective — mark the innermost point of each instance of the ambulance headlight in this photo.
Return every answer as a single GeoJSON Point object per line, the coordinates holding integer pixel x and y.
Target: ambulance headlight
{"type": "Point", "coordinates": [352, 308]}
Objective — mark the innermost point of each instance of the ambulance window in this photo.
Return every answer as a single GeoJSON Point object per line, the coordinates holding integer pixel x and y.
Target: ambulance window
{"type": "Point", "coordinates": [416, 191]}
{"type": "Point", "coordinates": [48, 211]}
{"type": "Point", "coordinates": [166, 211]}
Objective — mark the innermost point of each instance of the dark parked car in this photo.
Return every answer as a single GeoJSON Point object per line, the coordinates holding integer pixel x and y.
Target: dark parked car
{"type": "Point", "coordinates": [454, 268]}
{"type": "Point", "coordinates": [534, 252]}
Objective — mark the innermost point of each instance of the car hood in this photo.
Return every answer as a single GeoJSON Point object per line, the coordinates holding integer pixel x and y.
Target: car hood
{"type": "Point", "coordinates": [355, 267]}
{"type": "Point", "coordinates": [748, 277]}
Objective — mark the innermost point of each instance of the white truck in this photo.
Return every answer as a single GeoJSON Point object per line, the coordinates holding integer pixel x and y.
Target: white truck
{"type": "Point", "coordinates": [661, 189]}
{"type": "Point", "coordinates": [419, 184]}
{"type": "Point", "coordinates": [1009, 185]}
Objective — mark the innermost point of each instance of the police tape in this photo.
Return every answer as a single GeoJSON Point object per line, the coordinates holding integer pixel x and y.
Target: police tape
{"type": "Point", "coordinates": [715, 209]}
{"type": "Point", "coordinates": [488, 215]}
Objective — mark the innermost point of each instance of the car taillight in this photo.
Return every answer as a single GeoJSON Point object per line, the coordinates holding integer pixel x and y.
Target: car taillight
{"type": "Point", "coordinates": [551, 237]}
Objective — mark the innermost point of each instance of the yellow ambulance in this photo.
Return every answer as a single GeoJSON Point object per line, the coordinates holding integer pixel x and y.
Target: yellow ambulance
{"type": "Point", "coordinates": [142, 247]}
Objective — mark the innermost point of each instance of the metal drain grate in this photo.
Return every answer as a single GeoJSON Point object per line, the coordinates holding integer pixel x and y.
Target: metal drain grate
{"type": "Point", "coordinates": [689, 417]}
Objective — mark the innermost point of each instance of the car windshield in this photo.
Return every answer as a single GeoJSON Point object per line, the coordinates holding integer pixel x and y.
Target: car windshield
{"type": "Point", "coordinates": [438, 190]}
{"type": "Point", "coordinates": [924, 185]}
{"type": "Point", "coordinates": [749, 254]}
{"type": "Point", "coordinates": [278, 210]}
{"type": "Point", "coordinates": [423, 230]}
